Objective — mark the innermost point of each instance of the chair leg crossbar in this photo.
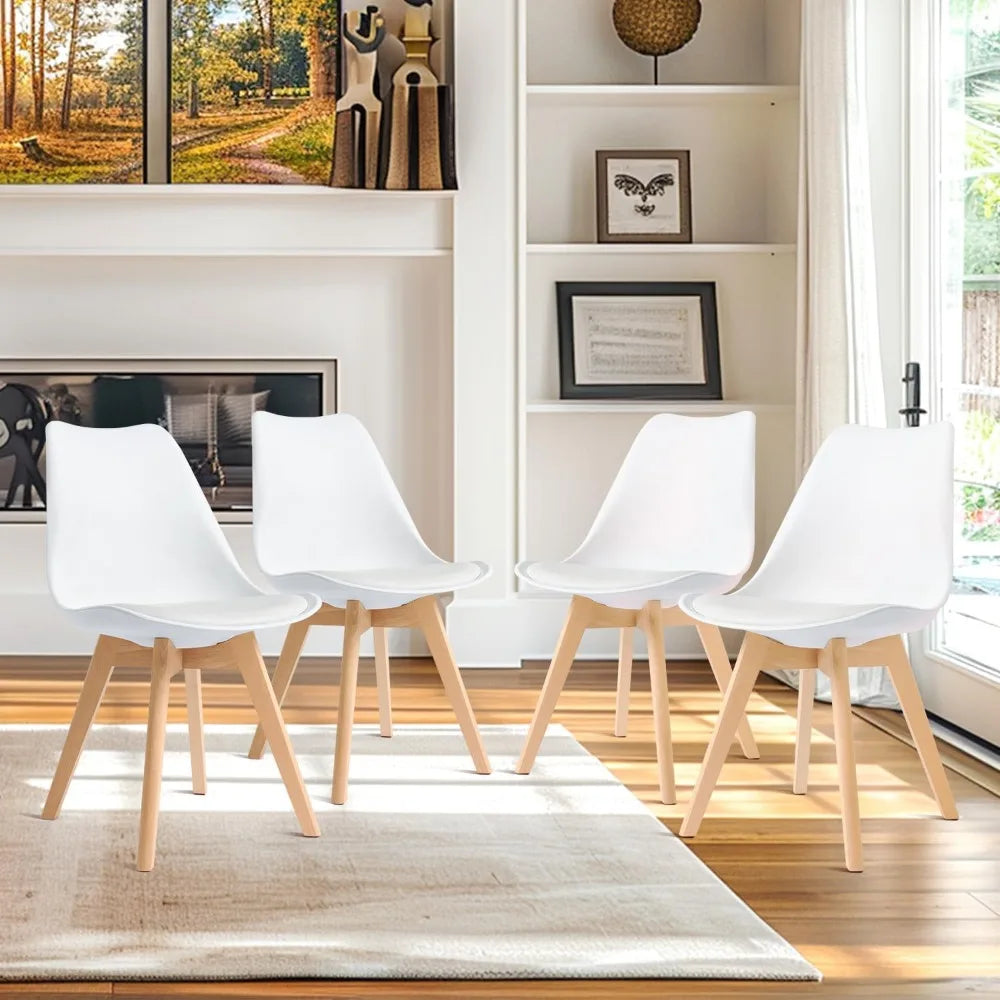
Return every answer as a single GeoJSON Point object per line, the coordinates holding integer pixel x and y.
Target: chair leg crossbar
{"type": "Point", "coordinates": [424, 614]}
{"type": "Point", "coordinates": [585, 613]}
{"type": "Point", "coordinates": [165, 661]}
{"type": "Point", "coordinates": [835, 660]}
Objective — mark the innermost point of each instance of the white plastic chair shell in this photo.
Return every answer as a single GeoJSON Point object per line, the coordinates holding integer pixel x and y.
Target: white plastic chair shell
{"type": "Point", "coordinates": [865, 550]}
{"type": "Point", "coordinates": [134, 550]}
{"type": "Point", "coordinates": [678, 519]}
{"type": "Point", "coordinates": [329, 520]}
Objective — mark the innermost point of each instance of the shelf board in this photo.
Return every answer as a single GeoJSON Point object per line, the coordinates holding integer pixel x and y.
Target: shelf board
{"type": "Point", "coordinates": [181, 191]}
{"type": "Point", "coordinates": [209, 252]}
{"type": "Point", "coordinates": [660, 248]}
{"type": "Point", "coordinates": [623, 94]}
{"type": "Point", "coordinates": [707, 406]}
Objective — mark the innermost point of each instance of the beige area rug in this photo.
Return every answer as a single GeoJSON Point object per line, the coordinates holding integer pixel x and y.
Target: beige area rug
{"type": "Point", "coordinates": [430, 871]}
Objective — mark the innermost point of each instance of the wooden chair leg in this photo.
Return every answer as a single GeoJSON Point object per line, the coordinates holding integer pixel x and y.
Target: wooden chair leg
{"type": "Point", "coordinates": [718, 659]}
{"type": "Point", "coordinates": [166, 663]}
{"type": "Point", "coordinates": [250, 663]}
{"type": "Point", "coordinates": [433, 628]}
{"type": "Point", "coordinates": [734, 704]}
{"type": "Point", "coordinates": [382, 686]}
{"type": "Point", "coordinates": [912, 704]}
{"type": "Point", "coordinates": [624, 682]}
{"type": "Point", "coordinates": [356, 623]}
{"type": "Point", "coordinates": [291, 650]}
{"type": "Point", "coordinates": [651, 620]}
{"type": "Point", "coordinates": [196, 729]}
{"type": "Point", "coordinates": [803, 731]}
{"type": "Point", "coordinates": [850, 812]}
{"type": "Point", "coordinates": [94, 686]}
{"type": "Point", "coordinates": [562, 661]}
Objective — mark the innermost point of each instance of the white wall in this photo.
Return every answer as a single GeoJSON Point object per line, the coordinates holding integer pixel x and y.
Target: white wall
{"type": "Point", "coordinates": [387, 319]}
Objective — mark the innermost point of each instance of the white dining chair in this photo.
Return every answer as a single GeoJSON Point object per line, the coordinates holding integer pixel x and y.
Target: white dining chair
{"type": "Point", "coordinates": [864, 555]}
{"type": "Point", "coordinates": [136, 555]}
{"type": "Point", "coordinates": [329, 520]}
{"type": "Point", "coordinates": [678, 519]}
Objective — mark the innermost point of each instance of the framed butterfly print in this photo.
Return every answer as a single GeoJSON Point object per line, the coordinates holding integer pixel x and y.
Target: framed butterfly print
{"type": "Point", "coordinates": [643, 196]}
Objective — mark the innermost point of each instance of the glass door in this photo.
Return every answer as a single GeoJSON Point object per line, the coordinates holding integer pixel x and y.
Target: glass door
{"type": "Point", "coordinates": [958, 661]}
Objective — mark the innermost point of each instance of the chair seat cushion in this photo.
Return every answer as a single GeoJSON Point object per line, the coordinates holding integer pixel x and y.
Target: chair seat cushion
{"type": "Point", "coordinates": [809, 624]}
{"type": "Point", "coordinates": [633, 586]}
{"type": "Point", "coordinates": [197, 623]}
{"type": "Point", "coordinates": [242, 613]}
{"type": "Point", "coordinates": [384, 587]}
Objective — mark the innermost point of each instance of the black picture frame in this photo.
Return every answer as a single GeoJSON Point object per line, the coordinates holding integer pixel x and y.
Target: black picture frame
{"type": "Point", "coordinates": [705, 291]}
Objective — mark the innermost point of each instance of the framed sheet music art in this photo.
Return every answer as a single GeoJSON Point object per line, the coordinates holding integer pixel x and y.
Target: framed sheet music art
{"type": "Point", "coordinates": [638, 340]}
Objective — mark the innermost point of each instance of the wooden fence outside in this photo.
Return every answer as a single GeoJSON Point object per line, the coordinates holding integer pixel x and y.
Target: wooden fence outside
{"type": "Point", "coordinates": [981, 351]}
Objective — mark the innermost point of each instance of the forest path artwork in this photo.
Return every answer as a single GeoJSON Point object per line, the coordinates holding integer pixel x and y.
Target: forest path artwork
{"type": "Point", "coordinates": [252, 91]}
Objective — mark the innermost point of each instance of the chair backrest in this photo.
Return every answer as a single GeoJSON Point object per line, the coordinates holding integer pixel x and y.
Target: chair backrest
{"type": "Point", "coordinates": [872, 522]}
{"type": "Point", "coordinates": [128, 523]}
{"type": "Point", "coordinates": [324, 499]}
{"type": "Point", "coordinates": [682, 500]}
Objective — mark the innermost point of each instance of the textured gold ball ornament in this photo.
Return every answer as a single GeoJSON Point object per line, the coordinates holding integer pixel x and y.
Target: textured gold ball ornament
{"type": "Point", "coordinates": [656, 27]}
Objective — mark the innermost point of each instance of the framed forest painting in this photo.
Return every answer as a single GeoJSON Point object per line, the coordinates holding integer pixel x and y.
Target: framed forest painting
{"type": "Point", "coordinates": [253, 91]}
{"type": "Point", "coordinates": [72, 91]}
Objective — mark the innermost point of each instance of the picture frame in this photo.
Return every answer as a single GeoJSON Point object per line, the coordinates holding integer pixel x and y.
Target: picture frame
{"type": "Point", "coordinates": [206, 404]}
{"type": "Point", "coordinates": [638, 340]}
{"type": "Point", "coordinates": [644, 196]}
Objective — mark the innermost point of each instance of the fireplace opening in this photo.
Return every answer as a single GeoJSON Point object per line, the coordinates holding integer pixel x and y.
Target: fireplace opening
{"type": "Point", "coordinates": [207, 407]}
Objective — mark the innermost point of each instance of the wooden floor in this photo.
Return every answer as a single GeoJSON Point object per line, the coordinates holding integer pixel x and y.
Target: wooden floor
{"type": "Point", "coordinates": [923, 920]}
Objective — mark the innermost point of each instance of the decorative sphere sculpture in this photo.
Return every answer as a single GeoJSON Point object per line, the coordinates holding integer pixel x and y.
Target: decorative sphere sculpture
{"type": "Point", "coordinates": [656, 27]}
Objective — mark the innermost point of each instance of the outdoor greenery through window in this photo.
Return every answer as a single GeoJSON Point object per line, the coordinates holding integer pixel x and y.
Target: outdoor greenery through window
{"type": "Point", "coordinates": [970, 336]}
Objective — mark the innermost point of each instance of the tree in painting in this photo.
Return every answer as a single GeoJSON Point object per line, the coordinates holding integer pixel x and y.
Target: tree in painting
{"type": "Point", "coordinates": [253, 91]}
{"type": "Point", "coordinates": [72, 91]}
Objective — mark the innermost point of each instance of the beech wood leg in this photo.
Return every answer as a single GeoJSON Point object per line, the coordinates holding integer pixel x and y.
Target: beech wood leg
{"type": "Point", "coordinates": [850, 812]}
{"type": "Point", "coordinates": [432, 625]}
{"type": "Point", "coordinates": [382, 686]}
{"type": "Point", "coordinates": [624, 682]}
{"type": "Point", "coordinates": [166, 663]}
{"type": "Point", "coordinates": [196, 729]}
{"type": "Point", "coordinates": [718, 659]}
{"type": "Point", "coordinates": [291, 650]}
{"type": "Point", "coordinates": [734, 704]}
{"type": "Point", "coordinates": [651, 620]}
{"type": "Point", "coordinates": [251, 666]}
{"type": "Point", "coordinates": [94, 686]}
{"type": "Point", "coordinates": [355, 625]}
{"type": "Point", "coordinates": [912, 704]}
{"type": "Point", "coordinates": [562, 661]}
{"type": "Point", "coordinates": [803, 731]}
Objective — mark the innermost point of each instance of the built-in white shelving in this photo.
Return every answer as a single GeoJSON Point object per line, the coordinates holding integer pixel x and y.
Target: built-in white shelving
{"type": "Point", "coordinates": [731, 98]}
{"type": "Point", "coordinates": [706, 407]}
{"type": "Point", "coordinates": [611, 95]}
{"type": "Point", "coordinates": [659, 248]}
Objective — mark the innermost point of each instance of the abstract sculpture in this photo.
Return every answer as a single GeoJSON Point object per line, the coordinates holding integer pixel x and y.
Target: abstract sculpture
{"type": "Point", "coordinates": [23, 416]}
{"type": "Point", "coordinates": [358, 129]}
{"type": "Point", "coordinates": [422, 137]}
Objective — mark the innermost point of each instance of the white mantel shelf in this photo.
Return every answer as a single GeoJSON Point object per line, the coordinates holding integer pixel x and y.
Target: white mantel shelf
{"type": "Point", "coordinates": [624, 94]}
{"type": "Point", "coordinates": [182, 191]}
{"type": "Point", "coordinates": [207, 252]}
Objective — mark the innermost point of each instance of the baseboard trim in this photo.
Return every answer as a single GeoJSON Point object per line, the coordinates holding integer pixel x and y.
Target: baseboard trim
{"type": "Point", "coordinates": [962, 756]}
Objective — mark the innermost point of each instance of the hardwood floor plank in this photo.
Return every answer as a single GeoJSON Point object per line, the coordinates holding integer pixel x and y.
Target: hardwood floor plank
{"type": "Point", "coordinates": [923, 920]}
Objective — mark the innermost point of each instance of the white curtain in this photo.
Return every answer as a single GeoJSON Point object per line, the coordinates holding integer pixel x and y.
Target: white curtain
{"type": "Point", "coordinates": [839, 363]}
